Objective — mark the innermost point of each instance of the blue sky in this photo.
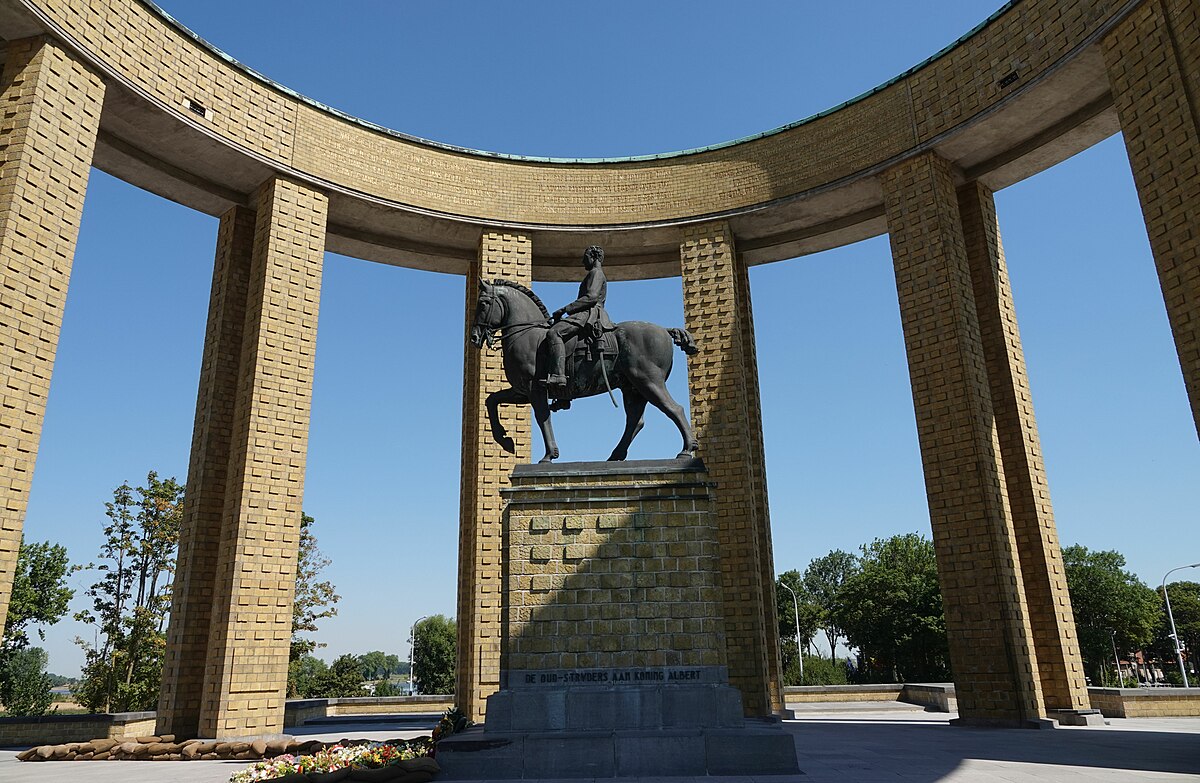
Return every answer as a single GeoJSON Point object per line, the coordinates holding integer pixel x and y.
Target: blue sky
{"type": "Point", "coordinates": [610, 79]}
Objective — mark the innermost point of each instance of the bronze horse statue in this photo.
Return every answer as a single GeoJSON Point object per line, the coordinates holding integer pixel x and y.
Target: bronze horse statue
{"type": "Point", "coordinates": [640, 368]}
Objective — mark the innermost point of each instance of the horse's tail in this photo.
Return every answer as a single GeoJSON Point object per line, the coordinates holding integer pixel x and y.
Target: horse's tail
{"type": "Point", "coordinates": [683, 338]}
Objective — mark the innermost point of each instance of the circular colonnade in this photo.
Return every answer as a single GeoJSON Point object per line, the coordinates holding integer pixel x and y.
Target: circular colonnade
{"type": "Point", "coordinates": [118, 85]}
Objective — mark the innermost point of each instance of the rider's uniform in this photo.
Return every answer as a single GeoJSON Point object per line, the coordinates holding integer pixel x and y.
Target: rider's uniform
{"type": "Point", "coordinates": [585, 313]}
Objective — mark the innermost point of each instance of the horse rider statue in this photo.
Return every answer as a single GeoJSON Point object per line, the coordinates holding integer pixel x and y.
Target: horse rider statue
{"type": "Point", "coordinates": [585, 316]}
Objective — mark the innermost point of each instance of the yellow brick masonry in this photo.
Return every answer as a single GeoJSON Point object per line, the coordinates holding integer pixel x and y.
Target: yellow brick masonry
{"type": "Point", "coordinates": [1029, 40]}
{"type": "Point", "coordinates": [1042, 573]}
{"type": "Point", "coordinates": [991, 645]}
{"type": "Point", "coordinates": [1153, 60]}
{"type": "Point", "coordinates": [250, 628]}
{"type": "Point", "coordinates": [725, 414]}
{"type": "Point", "coordinates": [758, 474]}
{"type": "Point", "coordinates": [186, 654]}
{"type": "Point", "coordinates": [627, 577]}
{"type": "Point", "coordinates": [485, 471]}
{"type": "Point", "coordinates": [49, 114]}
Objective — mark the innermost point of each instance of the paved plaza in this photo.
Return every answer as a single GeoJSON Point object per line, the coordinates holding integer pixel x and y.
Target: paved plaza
{"type": "Point", "coordinates": [875, 742]}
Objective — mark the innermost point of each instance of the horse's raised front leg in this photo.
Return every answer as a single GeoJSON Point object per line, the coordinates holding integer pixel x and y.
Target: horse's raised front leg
{"type": "Point", "coordinates": [541, 414]}
{"type": "Point", "coordinates": [509, 396]}
{"type": "Point", "coordinates": [635, 406]}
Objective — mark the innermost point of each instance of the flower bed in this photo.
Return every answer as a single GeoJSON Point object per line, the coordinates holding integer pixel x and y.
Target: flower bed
{"type": "Point", "coordinates": [399, 762]}
{"type": "Point", "coordinates": [395, 761]}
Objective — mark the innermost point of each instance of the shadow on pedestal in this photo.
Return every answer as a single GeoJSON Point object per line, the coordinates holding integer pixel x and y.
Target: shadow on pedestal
{"type": "Point", "coordinates": [613, 653]}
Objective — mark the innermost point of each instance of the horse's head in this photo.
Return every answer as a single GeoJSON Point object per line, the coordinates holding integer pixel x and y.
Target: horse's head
{"type": "Point", "coordinates": [489, 313]}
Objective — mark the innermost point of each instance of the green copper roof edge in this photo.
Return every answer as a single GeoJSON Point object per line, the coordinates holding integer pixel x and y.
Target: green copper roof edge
{"type": "Point", "coordinates": [538, 159]}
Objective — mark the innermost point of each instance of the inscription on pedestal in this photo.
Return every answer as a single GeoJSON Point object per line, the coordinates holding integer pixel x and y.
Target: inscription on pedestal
{"type": "Point", "coordinates": [627, 675]}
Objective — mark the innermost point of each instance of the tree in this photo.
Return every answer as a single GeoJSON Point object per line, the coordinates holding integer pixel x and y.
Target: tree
{"type": "Point", "coordinates": [40, 597]}
{"type": "Point", "coordinates": [434, 654]}
{"type": "Point", "coordinates": [891, 609]}
{"type": "Point", "coordinates": [374, 665]}
{"type": "Point", "coordinates": [809, 615]}
{"type": "Point", "coordinates": [39, 592]}
{"type": "Point", "coordinates": [314, 600]}
{"type": "Point", "coordinates": [342, 678]}
{"type": "Point", "coordinates": [305, 676]}
{"type": "Point", "coordinates": [823, 580]}
{"type": "Point", "coordinates": [24, 684]}
{"type": "Point", "coordinates": [123, 667]}
{"type": "Point", "coordinates": [385, 688]}
{"type": "Point", "coordinates": [377, 665]}
{"type": "Point", "coordinates": [1185, 607]}
{"type": "Point", "coordinates": [1112, 606]}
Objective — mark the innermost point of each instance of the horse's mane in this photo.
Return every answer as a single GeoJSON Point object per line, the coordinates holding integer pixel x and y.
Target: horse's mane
{"type": "Point", "coordinates": [518, 287]}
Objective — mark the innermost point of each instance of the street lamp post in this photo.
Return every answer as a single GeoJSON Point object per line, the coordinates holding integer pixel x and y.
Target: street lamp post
{"type": "Point", "coordinates": [1116, 660]}
{"type": "Point", "coordinates": [412, 659]}
{"type": "Point", "coordinates": [1171, 617]}
{"type": "Point", "coordinates": [796, 604]}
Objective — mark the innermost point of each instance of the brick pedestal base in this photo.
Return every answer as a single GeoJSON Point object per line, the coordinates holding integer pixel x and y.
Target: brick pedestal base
{"type": "Point", "coordinates": [614, 655]}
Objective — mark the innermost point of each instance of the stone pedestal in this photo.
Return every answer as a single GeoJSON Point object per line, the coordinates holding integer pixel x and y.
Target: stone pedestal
{"type": "Point", "coordinates": [613, 659]}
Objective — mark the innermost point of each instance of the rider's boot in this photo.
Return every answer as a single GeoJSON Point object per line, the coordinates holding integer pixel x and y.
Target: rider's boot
{"type": "Point", "coordinates": [556, 353]}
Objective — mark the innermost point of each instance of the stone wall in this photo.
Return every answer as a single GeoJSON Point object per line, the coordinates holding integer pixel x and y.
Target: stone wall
{"type": "Point", "coordinates": [1146, 702]}
{"type": "Point", "coordinates": [53, 729]}
{"type": "Point", "coordinates": [300, 710]}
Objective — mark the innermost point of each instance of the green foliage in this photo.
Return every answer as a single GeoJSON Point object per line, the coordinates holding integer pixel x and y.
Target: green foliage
{"type": "Point", "coordinates": [39, 597]}
{"type": "Point", "coordinates": [891, 609]}
{"type": "Point", "coordinates": [823, 580]}
{"type": "Point", "coordinates": [434, 654]}
{"type": "Point", "coordinates": [39, 593]}
{"type": "Point", "coordinates": [1185, 607]}
{"type": "Point", "coordinates": [1107, 599]}
{"type": "Point", "coordinates": [24, 685]}
{"type": "Point", "coordinates": [377, 665]}
{"type": "Point", "coordinates": [343, 678]}
{"type": "Point", "coordinates": [314, 600]}
{"type": "Point", "coordinates": [304, 676]}
{"type": "Point", "coordinates": [786, 607]}
{"type": "Point", "coordinates": [818, 670]}
{"type": "Point", "coordinates": [386, 688]}
{"type": "Point", "coordinates": [123, 668]}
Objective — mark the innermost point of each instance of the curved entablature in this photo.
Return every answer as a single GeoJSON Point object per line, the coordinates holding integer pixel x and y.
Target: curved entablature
{"type": "Point", "coordinates": [1023, 91]}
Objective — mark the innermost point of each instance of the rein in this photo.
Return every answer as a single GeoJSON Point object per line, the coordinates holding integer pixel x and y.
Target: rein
{"type": "Point", "coordinates": [512, 330]}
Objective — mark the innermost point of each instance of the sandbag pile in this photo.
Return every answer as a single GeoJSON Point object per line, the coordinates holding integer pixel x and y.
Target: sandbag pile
{"type": "Point", "coordinates": [165, 748]}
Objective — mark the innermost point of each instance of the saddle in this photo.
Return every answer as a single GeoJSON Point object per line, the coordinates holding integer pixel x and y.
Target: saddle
{"type": "Point", "coordinates": [590, 354]}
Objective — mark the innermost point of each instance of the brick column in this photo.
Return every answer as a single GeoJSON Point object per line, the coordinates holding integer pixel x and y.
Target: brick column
{"type": "Point", "coordinates": [991, 645]}
{"type": "Point", "coordinates": [726, 416]}
{"type": "Point", "coordinates": [1153, 60]}
{"type": "Point", "coordinates": [263, 404]}
{"type": "Point", "coordinates": [204, 505]}
{"type": "Point", "coordinates": [51, 112]}
{"type": "Point", "coordinates": [758, 472]}
{"type": "Point", "coordinates": [1049, 604]}
{"type": "Point", "coordinates": [485, 470]}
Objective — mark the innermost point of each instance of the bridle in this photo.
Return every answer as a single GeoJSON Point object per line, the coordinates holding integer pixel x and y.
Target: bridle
{"type": "Point", "coordinates": [489, 331]}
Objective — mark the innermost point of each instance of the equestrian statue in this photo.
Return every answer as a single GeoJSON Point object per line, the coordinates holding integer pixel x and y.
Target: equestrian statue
{"type": "Point", "coordinates": [551, 359]}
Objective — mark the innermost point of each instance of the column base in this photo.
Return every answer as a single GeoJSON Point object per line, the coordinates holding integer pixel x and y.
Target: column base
{"type": "Point", "coordinates": [1004, 723]}
{"type": "Point", "coordinates": [1077, 717]}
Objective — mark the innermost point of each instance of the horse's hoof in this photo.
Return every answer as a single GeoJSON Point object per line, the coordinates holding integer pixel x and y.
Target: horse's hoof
{"type": "Point", "coordinates": [615, 457]}
{"type": "Point", "coordinates": [507, 444]}
{"type": "Point", "coordinates": [685, 455]}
